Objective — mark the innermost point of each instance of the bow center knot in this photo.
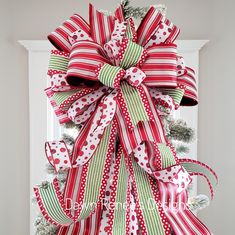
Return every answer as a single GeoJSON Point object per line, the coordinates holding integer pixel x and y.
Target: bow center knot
{"type": "Point", "coordinates": [125, 57]}
{"type": "Point", "coordinates": [112, 76]}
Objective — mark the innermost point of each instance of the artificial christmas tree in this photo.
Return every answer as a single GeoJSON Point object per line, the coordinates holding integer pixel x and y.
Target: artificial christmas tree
{"type": "Point", "coordinates": [119, 86]}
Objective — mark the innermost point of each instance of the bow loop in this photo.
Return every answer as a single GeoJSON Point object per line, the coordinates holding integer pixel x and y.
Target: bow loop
{"type": "Point", "coordinates": [165, 33]}
{"type": "Point", "coordinates": [131, 32]}
{"type": "Point", "coordinates": [83, 60]}
{"type": "Point", "coordinates": [148, 25]}
{"type": "Point", "coordinates": [119, 13]}
{"type": "Point", "coordinates": [123, 33]}
{"type": "Point", "coordinates": [155, 29]}
{"type": "Point", "coordinates": [60, 37]}
{"type": "Point", "coordinates": [131, 54]}
{"type": "Point", "coordinates": [57, 71]}
{"type": "Point", "coordinates": [84, 105]}
{"type": "Point", "coordinates": [79, 35]}
{"type": "Point", "coordinates": [198, 168]}
{"type": "Point", "coordinates": [176, 175]}
{"type": "Point", "coordinates": [160, 66]}
{"type": "Point", "coordinates": [101, 25]}
{"type": "Point", "coordinates": [112, 47]}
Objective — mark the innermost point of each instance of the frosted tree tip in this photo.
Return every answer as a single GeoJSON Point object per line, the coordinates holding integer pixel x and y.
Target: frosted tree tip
{"type": "Point", "coordinates": [162, 8]}
{"type": "Point", "coordinates": [198, 202]}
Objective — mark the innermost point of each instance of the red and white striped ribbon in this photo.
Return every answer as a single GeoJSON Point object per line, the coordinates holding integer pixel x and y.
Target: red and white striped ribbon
{"type": "Point", "coordinates": [84, 58]}
{"type": "Point", "coordinates": [188, 80]}
{"type": "Point", "coordinates": [181, 219]}
{"type": "Point", "coordinates": [148, 25]}
{"type": "Point", "coordinates": [144, 131]}
{"type": "Point", "coordinates": [160, 66]}
{"type": "Point", "coordinates": [59, 38]}
{"type": "Point", "coordinates": [101, 25]}
{"type": "Point", "coordinates": [119, 13]}
{"type": "Point", "coordinates": [61, 114]}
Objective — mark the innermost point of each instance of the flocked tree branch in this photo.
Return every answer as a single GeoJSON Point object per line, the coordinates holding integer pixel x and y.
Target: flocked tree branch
{"type": "Point", "coordinates": [43, 227]}
{"type": "Point", "coordinates": [68, 139]}
{"type": "Point", "coordinates": [178, 130]}
{"type": "Point", "coordinates": [139, 12]}
{"type": "Point", "coordinates": [181, 149]}
{"type": "Point", "coordinates": [198, 202]}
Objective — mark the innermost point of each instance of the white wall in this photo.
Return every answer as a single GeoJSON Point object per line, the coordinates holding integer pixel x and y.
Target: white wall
{"type": "Point", "coordinates": [197, 19]}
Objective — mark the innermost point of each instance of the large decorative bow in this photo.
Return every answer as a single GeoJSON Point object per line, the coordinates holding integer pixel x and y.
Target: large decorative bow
{"type": "Point", "coordinates": [109, 78]}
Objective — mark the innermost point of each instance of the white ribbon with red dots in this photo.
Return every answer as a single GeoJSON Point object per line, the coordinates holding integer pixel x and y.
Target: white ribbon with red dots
{"type": "Point", "coordinates": [58, 155]}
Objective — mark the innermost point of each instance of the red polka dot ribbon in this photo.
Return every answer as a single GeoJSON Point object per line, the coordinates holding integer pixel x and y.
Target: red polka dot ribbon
{"type": "Point", "coordinates": [116, 82]}
{"type": "Point", "coordinates": [176, 175]}
{"type": "Point", "coordinates": [58, 155]}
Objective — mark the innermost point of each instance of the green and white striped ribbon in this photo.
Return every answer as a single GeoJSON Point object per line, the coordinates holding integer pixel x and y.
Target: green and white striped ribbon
{"type": "Point", "coordinates": [151, 216]}
{"type": "Point", "coordinates": [108, 74]}
{"type": "Point", "coordinates": [58, 63]}
{"type": "Point", "coordinates": [95, 175]}
{"type": "Point", "coordinates": [119, 223]}
{"type": "Point", "coordinates": [176, 94]}
{"type": "Point", "coordinates": [167, 156]}
{"type": "Point", "coordinates": [60, 97]}
{"type": "Point", "coordinates": [131, 55]}
{"type": "Point", "coordinates": [198, 168]}
{"type": "Point", "coordinates": [93, 182]}
{"type": "Point", "coordinates": [52, 206]}
{"type": "Point", "coordinates": [134, 103]}
{"type": "Point", "coordinates": [129, 33]}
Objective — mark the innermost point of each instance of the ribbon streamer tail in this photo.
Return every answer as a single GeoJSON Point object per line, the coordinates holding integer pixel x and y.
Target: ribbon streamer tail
{"type": "Point", "coordinates": [200, 169]}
